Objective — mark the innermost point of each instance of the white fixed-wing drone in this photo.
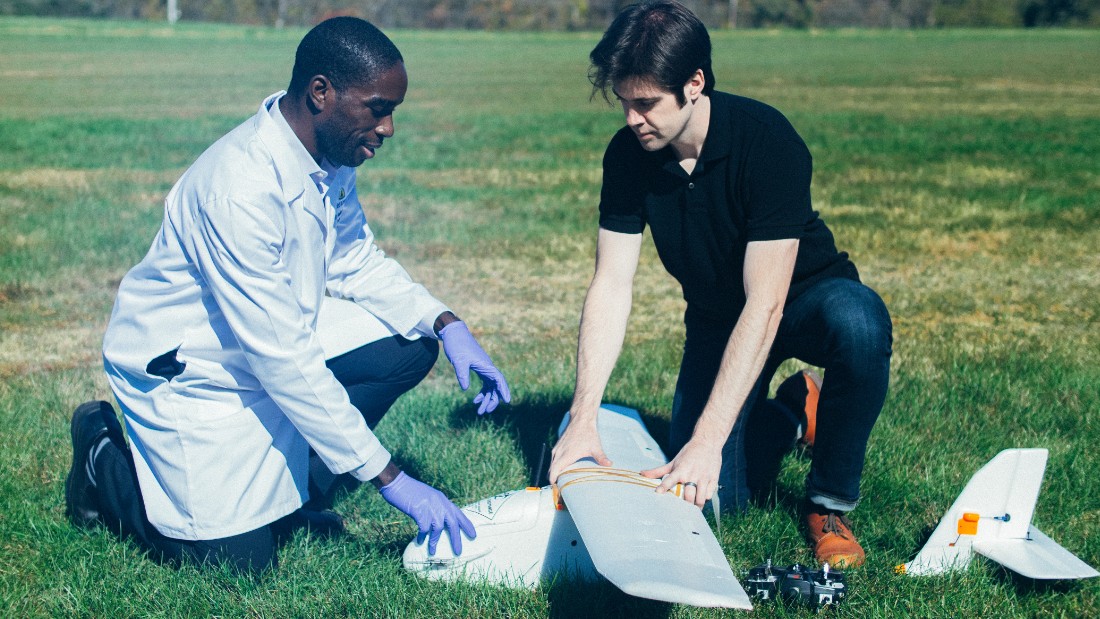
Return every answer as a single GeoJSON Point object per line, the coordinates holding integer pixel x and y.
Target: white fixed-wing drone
{"type": "Point", "coordinates": [654, 546]}
{"type": "Point", "coordinates": [992, 517]}
{"type": "Point", "coordinates": [658, 546]}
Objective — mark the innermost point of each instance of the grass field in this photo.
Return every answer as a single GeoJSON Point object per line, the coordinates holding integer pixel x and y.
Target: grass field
{"type": "Point", "coordinates": [960, 170]}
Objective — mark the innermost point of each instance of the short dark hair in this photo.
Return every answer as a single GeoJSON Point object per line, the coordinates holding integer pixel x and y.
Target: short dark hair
{"type": "Point", "coordinates": [658, 41]}
{"type": "Point", "coordinates": [346, 50]}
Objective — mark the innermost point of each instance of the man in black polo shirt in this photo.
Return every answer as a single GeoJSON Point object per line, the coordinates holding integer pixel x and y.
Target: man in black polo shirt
{"type": "Point", "coordinates": [723, 182]}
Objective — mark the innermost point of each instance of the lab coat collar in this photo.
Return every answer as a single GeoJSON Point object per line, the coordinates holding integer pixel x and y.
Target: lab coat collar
{"type": "Point", "coordinates": [293, 163]}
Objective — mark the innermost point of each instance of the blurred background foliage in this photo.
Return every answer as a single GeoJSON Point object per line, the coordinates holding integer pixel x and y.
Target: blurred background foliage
{"type": "Point", "coordinates": [587, 14]}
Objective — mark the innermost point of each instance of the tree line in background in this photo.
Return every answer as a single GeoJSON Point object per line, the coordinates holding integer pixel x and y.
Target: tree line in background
{"type": "Point", "coordinates": [587, 14]}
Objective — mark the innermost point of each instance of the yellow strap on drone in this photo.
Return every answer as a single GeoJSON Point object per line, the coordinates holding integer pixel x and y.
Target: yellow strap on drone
{"type": "Point", "coordinates": [612, 475]}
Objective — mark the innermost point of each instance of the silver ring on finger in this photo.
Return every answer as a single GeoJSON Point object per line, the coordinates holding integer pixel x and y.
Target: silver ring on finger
{"type": "Point", "coordinates": [691, 483]}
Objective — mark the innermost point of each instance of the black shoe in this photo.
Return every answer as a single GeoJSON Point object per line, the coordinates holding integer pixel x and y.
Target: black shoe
{"type": "Point", "coordinates": [92, 421]}
{"type": "Point", "coordinates": [324, 524]}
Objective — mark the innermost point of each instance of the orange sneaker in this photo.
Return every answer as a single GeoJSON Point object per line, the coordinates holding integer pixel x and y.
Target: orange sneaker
{"type": "Point", "coordinates": [800, 393]}
{"type": "Point", "coordinates": [832, 537]}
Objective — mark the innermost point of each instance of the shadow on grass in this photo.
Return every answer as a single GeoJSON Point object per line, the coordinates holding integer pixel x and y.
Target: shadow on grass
{"type": "Point", "coordinates": [923, 536]}
{"type": "Point", "coordinates": [532, 424]}
{"type": "Point", "coordinates": [780, 494]}
{"type": "Point", "coordinates": [1031, 586]}
{"type": "Point", "coordinates": [571, 598]}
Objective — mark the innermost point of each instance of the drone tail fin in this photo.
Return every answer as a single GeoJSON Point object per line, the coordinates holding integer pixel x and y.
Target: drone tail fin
{"type": "Point", "coordinates": [992, 516]}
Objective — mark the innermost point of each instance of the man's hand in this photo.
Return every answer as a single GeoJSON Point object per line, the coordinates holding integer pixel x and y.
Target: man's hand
{"type": "Point", "coordinates": [696, 466]}
{"type": "Point", "coordinates": [581, 440]}
{"type": "Point", "coordinates": [466, 354]}
{"type": "Point", "coordinates": [431, 510]}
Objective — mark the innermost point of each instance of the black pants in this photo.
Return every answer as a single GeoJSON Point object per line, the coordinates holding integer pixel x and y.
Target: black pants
{"type": "Point", "coordinates": [374, 376]}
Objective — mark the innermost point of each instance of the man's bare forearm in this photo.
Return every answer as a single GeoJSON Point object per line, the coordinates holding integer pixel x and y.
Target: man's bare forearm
{"type": "Point", "coordinates": [768, 268]}
{"type": "Point", "coordinates": [602, 330]}
{"type": "Point", "coordinates": [604, 319]}
{"type": "Point", "coordinates": [744, 359]}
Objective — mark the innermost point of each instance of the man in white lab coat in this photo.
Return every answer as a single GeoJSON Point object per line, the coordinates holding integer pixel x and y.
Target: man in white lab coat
{"type": "Point", "coordinates": [235, 419]}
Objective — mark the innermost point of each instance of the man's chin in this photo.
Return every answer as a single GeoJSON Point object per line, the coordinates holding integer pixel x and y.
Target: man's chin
{"type": "Point", "coordinates": [354, 161]}
{"type": "Point", "coordinates": [651, 143]}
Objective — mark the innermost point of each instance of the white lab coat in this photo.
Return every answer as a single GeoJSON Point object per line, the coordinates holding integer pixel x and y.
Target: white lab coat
{"type": "Point", "coordinates": [254, 234]}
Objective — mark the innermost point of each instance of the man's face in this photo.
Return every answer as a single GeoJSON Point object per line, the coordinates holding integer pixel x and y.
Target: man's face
{"type": "Point", "coordinates": [654, 114]}
{"type": "Point", "coordinates": [360, 117]}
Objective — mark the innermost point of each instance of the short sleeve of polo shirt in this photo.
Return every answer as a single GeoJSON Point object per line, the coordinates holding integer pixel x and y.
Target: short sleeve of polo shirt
{"type": "Point", "coordinates": [777, 192]}
{"type": "Point", "coordinates": [622, 197]}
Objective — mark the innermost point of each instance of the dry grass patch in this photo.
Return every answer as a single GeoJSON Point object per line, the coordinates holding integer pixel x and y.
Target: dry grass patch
{"type": "Point", "coordinates": [516, 299]}
{"type": "Point", "coordinates": [506, 178]}
{"type": "Point", "coordinates": [384, 209]}
{"type": "Point", "coordinates": [1053, 302]}
{"type": "Point", "coordinates": [49, 348]}
{"type": "Point", "coordinates": [899, 101]}
{"type": "Point", "coordinates": [79, 179]}
{"type": "Point", "coordinates": [983, 244]}
{"type": "Point", "coordinates": [1008, 87]}
{"type": "Point", "coordinates": [866, 175]}
{"type": "Point", "coordinates": [955, 175]}
{"type": "Point", "coordinates": [951, 175]}
{"type": "Point", "coordinates": [25, 242]}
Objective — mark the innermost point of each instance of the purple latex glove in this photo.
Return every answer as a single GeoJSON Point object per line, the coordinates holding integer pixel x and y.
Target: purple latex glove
{"type": "Point", "coordinates": [430, 509]}
{"type": "Point", "coordinates": [466, 354]}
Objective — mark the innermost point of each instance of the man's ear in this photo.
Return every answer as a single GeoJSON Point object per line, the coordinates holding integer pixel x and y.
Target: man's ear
{"type": "Point", "coordinates": [694, 85]}
{"type": "Point", "coordinates": [319, 92]}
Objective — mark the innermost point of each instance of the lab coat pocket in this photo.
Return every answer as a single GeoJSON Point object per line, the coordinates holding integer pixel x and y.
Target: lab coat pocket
{"type": "Point", "coordinates": [166, 366]}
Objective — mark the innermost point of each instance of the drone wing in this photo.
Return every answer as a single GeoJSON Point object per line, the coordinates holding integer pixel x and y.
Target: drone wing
{"type": "Point", "coordinates": [654, 546]}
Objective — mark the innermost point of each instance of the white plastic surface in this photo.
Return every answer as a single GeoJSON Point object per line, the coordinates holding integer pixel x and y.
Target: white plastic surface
{"type": "Point", "coordinates": [654, 546]}
{"type": "Point", "coordinates": [1037, 557]}
{"type": "Point", "coordinates": [1003, 493]}
{"type": "Point", "coordinates": [521, 539]}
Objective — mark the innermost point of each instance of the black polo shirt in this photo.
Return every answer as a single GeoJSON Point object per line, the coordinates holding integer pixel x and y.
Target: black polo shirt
{"type": "Point", "coordinates": [751, 183]}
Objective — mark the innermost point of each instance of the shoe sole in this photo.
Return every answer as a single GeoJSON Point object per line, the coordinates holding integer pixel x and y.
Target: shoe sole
{"type": "Point", "coordinates": [842, 562]}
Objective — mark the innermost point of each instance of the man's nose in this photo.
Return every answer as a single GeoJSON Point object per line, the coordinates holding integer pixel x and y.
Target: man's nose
{"type": "Point", "coordinates": [633, 118]}
{"type": "Point", "coordinates": [385, 128]}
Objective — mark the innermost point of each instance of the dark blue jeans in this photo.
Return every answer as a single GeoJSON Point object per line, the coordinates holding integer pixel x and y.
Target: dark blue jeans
{"type": "Point", "coordinates": [839, 325]}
